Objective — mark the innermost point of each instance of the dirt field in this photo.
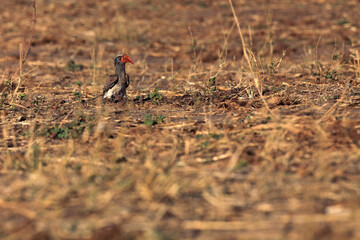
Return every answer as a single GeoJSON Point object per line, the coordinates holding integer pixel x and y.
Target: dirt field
{"type": "Point", "coordinates": [212, 143]}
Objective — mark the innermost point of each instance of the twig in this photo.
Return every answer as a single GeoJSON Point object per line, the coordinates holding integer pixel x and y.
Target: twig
{"type": "Point", "coordinates": [15, 104]}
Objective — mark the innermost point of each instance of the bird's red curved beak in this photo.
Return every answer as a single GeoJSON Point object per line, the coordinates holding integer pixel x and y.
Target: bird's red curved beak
{"type": "Point", "coordinates": [126, 58]}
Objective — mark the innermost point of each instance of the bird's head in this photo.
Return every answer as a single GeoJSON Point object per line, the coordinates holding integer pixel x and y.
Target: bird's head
{"type": "Point", "coordinates": [122, 58]}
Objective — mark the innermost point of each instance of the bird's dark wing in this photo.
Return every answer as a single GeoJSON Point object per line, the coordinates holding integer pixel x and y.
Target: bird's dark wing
{"type": "Point", "coordinates": [127, 80]}
{"type": "Point", "coordinates": [112, 80]}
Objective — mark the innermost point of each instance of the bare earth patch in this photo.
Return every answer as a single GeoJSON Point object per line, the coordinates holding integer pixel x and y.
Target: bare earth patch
{"type": "Point", "coordinates": [197, 151]}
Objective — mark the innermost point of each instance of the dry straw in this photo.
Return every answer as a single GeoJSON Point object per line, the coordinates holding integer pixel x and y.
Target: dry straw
{"type": "Point", "coordinates": [255, 76]}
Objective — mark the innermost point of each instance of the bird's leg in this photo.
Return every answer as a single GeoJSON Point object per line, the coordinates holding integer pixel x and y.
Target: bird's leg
{"type": "Point", "coordinates": [123, 94]}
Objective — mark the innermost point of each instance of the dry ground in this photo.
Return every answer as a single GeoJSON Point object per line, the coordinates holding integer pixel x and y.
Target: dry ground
{"type": "Point", "coordinates": [196, 152]}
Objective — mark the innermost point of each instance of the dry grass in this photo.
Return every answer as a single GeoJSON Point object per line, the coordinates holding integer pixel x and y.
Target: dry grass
{"type": "Point", "coordinates": [259, 145]}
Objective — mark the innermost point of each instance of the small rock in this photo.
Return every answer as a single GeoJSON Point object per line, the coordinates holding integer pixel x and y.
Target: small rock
{"type": "Point", "coordinates": [21, 118]}
{"type": "Point", "coordinates": [121, 160]}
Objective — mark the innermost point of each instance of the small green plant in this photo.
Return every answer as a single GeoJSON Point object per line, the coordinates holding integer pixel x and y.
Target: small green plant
{"type": "Point", "coordinates": [266, 120]}
{"type": "Point", "coordinates": [6, 91]}
{"type": "Point", "coordinates": [241, 164]}
{"type": "Point", "coordinates": [22, 96]}
{"type": "Point", "coordinates": [78, 83]}
{"type": "Point", "coordinates": [78, 167]}
{"type": "Point", "coordinates": [216, 136]}
{"type": "Point", "coordinates": [343, 22]}
{"type": "Point", "coordinates": [59, 132]}
{"type": "Point", "coordinates": [151, 120]}
{"type": "Point", "coordinates": [155, 96]}
{"type": "Point", "coordinates": [3, 99]}
{"type": "Point", "coordinates": [275, 65]}
{"type": "Point", "coordinates": [330, 75]}
{"type": "Point", "coordinates": [74, 129]}
{"type": "Point", "coordinates": [194, 45]}
{"type": "Point", "coordinates": [199, 136]}
{"type": "Point", "coordinates": [78, 95]}
{"type": "Point", "coordinates": [73, 67]}
{"type": "Point", "coordinates": [212, 84]}
{"type": "Point", "coordinates": [204, 145]}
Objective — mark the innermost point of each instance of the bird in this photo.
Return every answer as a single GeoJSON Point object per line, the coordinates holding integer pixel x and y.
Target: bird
{"type": "Point", "coordinates": [118, 82]}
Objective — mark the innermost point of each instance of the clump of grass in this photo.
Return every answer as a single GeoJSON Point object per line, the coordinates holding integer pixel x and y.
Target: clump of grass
{"type": "Point", "coordinates": [22, 96]}
{"type": "Point", "coordinates": [6, 89]}
{"type": "Point", "coordinates": [73, 67]}
{"type": "Point", "coordinates": [343, 22]}
{"type": "Point", "coordinates": [355, 56]}
{"type": "Point", "coordinates": [77, 95]}
{"type": "Point", "coordinates": [212, 84]}
{"type": "Point", "coordinates": [59, 132]}
{"type": "Point", "coordinates": [216, 135]}
{"type": "Point", "coordinates": [330, 74]}
{"type": "Point", "coordinates": [151, 120]}
{"type": "Point", "coordinates": [275, 65]}
{"type": "Point", "coordinates": [266, 120]}
{"type": "Point", "coordinates": [71, 130]}
{"type": "Point", "coordinates": [155, 96]}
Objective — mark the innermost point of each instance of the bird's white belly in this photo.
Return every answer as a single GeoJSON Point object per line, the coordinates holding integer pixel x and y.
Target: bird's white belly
{"type": "Point", "coordinates": [112, 91]}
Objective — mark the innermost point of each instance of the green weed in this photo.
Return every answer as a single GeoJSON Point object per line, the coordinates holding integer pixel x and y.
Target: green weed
{"type": "Point", "coordinates": [77, 95]}
{"type": "Point", "coordinates": [22, 96]}
{"type": "Point", "coordinates": [72, 130]}
{"type": "Point", "coordinates": [155, 96]}
{"type": "Point", "coordinates": [151, 120]}
{"type": "Point", "coordinates": [73, 67]}
{"type": "Point", "coordinates": [343, 22]}
{"type": "Point", "coordinates": [212, 84]}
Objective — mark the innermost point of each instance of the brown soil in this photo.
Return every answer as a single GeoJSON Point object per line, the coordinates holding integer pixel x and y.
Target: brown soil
{"type": "Point", "coordinates": [197, 151]}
